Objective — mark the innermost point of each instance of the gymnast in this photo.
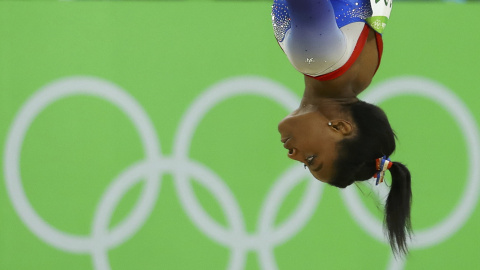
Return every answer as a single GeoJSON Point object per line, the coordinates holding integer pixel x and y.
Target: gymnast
{"type": "Point", "coordinates": [337, 45]}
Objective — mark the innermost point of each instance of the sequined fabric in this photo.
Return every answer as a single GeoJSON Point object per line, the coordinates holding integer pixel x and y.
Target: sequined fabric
{"type": "Point", "coordinates": [321, 35]}
{"type": "Point", "coordinates": [348, 11]}
{"type": "Point", "coordinates": [280, 19]}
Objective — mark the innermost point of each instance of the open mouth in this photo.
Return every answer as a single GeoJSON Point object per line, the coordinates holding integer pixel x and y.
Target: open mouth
{"type": "Point", "coordinates": [285, 143]}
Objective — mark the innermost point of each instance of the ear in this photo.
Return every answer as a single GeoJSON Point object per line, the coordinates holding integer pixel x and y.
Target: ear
{"type": "Point", "coordinates": [342, 126]}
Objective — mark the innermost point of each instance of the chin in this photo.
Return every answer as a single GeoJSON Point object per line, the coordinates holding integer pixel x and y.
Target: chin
{"type": "Point", "coordinates": [339, 184]}
{"type": "Point", "coordinates": [334, 183]}
{"type": "Point", "coordinates": [323, 180]}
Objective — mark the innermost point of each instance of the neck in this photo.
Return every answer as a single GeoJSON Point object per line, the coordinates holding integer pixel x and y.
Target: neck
{"type": "Point", "coordinates": [331, 108]}
{"type": "Point", "coordinates": [320, 93]}
{"type": "Point", "coordinates": [327, 97]}
{"type": "Point", "coordinates": [340, 88]}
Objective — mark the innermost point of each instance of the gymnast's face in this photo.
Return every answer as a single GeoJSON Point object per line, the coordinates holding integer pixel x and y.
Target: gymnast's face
{"type": "Point", "coordinates": [310, 139]}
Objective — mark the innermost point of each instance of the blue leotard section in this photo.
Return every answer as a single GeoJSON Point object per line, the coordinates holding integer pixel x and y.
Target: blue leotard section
{"type": "Point", "coordinates": [346, 12]}
{"type": "Point", "coordinates": [350, 11]}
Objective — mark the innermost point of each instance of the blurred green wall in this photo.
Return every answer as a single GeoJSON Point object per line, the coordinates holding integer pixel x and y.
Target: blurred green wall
{"type": "Point", "coordinates": [142, 135]}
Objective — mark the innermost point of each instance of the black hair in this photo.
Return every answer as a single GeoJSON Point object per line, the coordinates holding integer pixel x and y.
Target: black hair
{"type": "Point", "coordinates": [374, 138]}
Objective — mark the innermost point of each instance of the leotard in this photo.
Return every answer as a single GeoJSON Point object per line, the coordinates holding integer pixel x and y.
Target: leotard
{"type": "Point", "coordinates": [323, 38]}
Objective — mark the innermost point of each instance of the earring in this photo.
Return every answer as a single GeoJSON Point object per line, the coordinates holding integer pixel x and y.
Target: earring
{"type": "Point", "coordinates": [329, 124]}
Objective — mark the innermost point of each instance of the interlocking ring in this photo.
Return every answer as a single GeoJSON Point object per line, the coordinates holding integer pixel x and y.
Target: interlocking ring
{"type": "Point", "coordinates": [417, 86]}
{"type": "Point", "coordinates": [154, 165]}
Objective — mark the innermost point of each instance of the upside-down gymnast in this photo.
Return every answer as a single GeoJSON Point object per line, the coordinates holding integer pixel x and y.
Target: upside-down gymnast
{"type": "Point", "coordinates": [337, 45]}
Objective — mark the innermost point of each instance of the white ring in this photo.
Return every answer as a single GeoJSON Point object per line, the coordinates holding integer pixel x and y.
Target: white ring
{"type": "Point", "coordinates": [40, 100]}
{"type": "Point", "coordinates": [154, 165]}
{"type": "Point", "coordinates": [455, 220]}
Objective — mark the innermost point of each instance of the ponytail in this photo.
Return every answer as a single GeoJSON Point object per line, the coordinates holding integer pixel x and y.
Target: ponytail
{"type": "Point", "coordinates": [397, 209]}
{"type": "Point", "coordinates": [357, 161]}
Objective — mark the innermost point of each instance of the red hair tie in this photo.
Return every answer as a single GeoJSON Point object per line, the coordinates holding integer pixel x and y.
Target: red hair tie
{"type": "Point", "coordinates": [383, 164]}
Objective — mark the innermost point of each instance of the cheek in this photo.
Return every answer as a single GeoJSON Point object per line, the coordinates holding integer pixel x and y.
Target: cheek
{"type": "Point", "coordinates": [329, 159]}
{"type": "Point", "coordinates": [325, 145]}
{"type": "Point", "coordinates": [329, 170]}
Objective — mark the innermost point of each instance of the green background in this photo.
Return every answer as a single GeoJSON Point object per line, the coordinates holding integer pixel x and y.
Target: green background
{"type": "Point", "coordinates": [165, 54]}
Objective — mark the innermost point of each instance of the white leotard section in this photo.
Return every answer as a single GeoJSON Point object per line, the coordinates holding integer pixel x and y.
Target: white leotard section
{"type": "Point", "coordinates": [318, 57]}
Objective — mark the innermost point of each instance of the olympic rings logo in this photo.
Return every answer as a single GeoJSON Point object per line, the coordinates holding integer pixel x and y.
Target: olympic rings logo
{"type": "Point", "coordinates": [184, 170]}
